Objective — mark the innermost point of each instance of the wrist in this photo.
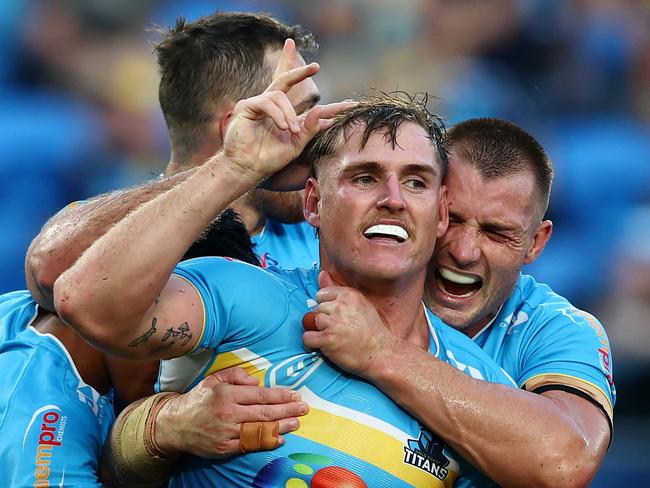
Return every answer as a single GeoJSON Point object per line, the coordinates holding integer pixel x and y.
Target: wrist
{"type": "Point", "coordinates": [240, 175]}
{"type": "Point", "coordinates": [381, 367]}
{"type": "Point", "coordinates": [379, 360]}
{"type": "Point", "coordinates": [165, 438]}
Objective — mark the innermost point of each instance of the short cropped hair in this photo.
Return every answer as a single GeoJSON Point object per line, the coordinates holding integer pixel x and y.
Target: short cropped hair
{"type": "Point", "coordinates": [385, 113]}
{"type": "Point", "coordinates": [498, 148]}
{"type": "Point", "coordinates": [220, 57]}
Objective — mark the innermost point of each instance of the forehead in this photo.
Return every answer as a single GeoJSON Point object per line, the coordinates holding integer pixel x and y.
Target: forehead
{"type": "Point", "coordinates": [509, 200]}
{"type": "Point", "coordinates": [413, 147]}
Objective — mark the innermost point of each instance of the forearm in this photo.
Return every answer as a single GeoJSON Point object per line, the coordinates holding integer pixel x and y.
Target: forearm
{"type": "Point", "coordinates": [515, 437]}
{"type": "Point", "coordinates": [70, 232]}
{"type": "Point", "coordinates": [133, 262]}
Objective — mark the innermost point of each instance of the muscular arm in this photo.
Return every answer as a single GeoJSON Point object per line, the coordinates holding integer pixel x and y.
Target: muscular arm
{"type": "Point", "coordinates": [517, 438]}
{"type": "Point", "coordinates": [71, 231]}
{"type": "Point", "coordinates": [120, 294]}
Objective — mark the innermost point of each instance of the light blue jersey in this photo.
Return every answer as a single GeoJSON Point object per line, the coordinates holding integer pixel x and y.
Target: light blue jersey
{"type": "Point", "coordinates": [52, 424]}
{"type": "Point", "coordinates": [353, 432]}
{"type": "Point", "coordinates": [287, 246]}
{"type": "Point", "coordinates": [17, 311]}
{"type": "Point", "coordinates": [544, 343]}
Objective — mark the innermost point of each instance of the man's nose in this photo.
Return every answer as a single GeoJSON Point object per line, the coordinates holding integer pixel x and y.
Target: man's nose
{"type": "Point", "coordinates": [391, 194]}
{"type": "Point", "coordinates": [464, 248]}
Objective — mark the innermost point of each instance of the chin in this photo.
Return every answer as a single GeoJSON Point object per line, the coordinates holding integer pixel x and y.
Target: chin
{"type": "Point", "coordinates": [457, 320]}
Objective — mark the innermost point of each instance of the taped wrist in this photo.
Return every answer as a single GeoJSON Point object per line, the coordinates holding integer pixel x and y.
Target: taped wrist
{"type": "Point", "coordinates": [136, 456]}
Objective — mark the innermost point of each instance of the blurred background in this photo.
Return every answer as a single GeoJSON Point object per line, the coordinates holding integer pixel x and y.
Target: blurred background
{"type": "Point", "coordinates": [79, 116]}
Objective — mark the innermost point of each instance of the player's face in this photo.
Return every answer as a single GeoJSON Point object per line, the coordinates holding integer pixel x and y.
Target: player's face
{"type": "Point", "coordinates": [380, 209]}
{"type": "Point", "coordinates": [493, 225]}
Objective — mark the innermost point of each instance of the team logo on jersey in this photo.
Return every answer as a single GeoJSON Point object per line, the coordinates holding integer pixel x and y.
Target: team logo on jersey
{"type": "Point", "coordinates": [294, 371]}
{"type": "Point", "coordinates": [427, 453]}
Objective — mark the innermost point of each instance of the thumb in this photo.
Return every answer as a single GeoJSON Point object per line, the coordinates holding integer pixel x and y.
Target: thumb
{"type": "Point", "coordinates": [325, 280]}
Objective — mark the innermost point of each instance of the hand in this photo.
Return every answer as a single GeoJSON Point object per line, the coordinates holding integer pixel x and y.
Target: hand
{"type": "Point", "coordinates": [206, 420]}
{"type": "Point", "coordinates": [350, 331]}
{"type": "Point", "coordinates": [265, 133]}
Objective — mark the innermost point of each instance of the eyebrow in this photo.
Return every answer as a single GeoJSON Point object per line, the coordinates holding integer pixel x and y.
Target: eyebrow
{"type": "Point", "coordinates": [373, 166]}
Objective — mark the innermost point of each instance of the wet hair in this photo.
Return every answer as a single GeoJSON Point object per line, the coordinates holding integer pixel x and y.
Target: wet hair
{"type": "Point", "coordinates": [220, 57]}
{"type": "Point", "coordinates": [226, 236]}
{"type": "Point", "coordinates": [498, 148]}
{"type": "Point", "coordinates": [384, 112]}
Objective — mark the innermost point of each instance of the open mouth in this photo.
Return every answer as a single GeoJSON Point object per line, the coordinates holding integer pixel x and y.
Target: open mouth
{"type": "Point", "coordinates": [386, 231]}
{"type": "Point", "coordinates": [458, 284]}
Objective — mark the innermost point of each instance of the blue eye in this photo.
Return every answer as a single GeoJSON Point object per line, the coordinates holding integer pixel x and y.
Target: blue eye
{"type": "Point", "coordinates": [364, 180]}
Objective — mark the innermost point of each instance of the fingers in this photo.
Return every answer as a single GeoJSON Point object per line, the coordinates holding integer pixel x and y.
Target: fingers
{"type": "Point", "coordinates": [320, 117]}
{"type": "Point", "coordinates": [286, 80]}
{"type": "Point", "coordinates": [331, 109]}
{"type": "Point", "coordinates": [275, 105]}
{"type": "Point", "coordinates": [236, 376]}
{"type": "Point", "coordinates": [266, 396]}
{"type": "Point", "coordinates": [288, 425]}
{"type": "Point", "coordinates": [288, 58]}
{"type": "Point", "coordinates": [325, 280]}
{"type": "Point", "coordinates": [266, 413]}
{"type": "Point", "coordinates": [313, 340]}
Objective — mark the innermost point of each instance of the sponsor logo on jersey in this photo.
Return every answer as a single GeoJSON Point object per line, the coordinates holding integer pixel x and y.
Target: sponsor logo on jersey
{"type": "Point", "coordinates": [603, 349]}
{"type": "Point", "coordinates": [427, 453]}
{"type": "Point", "coordinates": [51, 430]}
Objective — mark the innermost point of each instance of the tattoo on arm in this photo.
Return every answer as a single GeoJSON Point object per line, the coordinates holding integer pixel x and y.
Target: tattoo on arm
{"type": "Point", "coordinates": [181, 335]}
{"type": "Point", "coordinates": [146, 336]}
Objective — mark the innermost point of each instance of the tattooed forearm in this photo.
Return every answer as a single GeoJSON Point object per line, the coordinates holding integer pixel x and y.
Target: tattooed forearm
{"type": "Point", "coordinates": [146, 336]}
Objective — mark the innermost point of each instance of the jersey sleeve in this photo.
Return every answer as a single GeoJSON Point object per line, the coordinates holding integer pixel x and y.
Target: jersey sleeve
{"type": "Point", "coordinates": [570, 351]}
{"type": "Point", "coordinates": [241, 302]}
{"type": "Point", "coordinates": [461, 352]}
{"type": "Point", "coordinates": [57, 439]}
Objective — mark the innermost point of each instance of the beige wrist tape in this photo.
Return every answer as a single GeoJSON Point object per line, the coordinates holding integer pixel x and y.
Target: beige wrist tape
{"type": "Point", "coordinates": [135, 453]}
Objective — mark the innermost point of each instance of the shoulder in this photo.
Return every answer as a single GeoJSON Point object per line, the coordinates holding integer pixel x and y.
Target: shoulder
{"type": "Point", "coordinates": [17, 310]}
{"type": "Point", "coordinates": [39, 377]}
{"type": "Point", "coordinates": [223, 274]}
{"type": "Point", "coordinates": [545, 314]}
{"type": "Point", "coordinates": [460, 351]}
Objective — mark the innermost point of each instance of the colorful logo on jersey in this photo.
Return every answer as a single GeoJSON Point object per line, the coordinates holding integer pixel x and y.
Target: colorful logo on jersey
{"type": "Point", "coordinates": [306, 470]}
{"type": "Point", "coordinates": [427, 453]}
{"type": "Point", "coordinates": [266, 260]}
{"type": "Point", "coordinates": [50, 437]}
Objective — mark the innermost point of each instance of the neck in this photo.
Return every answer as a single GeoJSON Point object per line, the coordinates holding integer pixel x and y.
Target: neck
{"type": "Point", "coordinates": [250, 212]}
{"type": "Point", "coordinates": [182, 160]}
{"type": "Point", "coordinates": [88, 360]}
{"type": "Point", "coordinates": [399, 303]}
